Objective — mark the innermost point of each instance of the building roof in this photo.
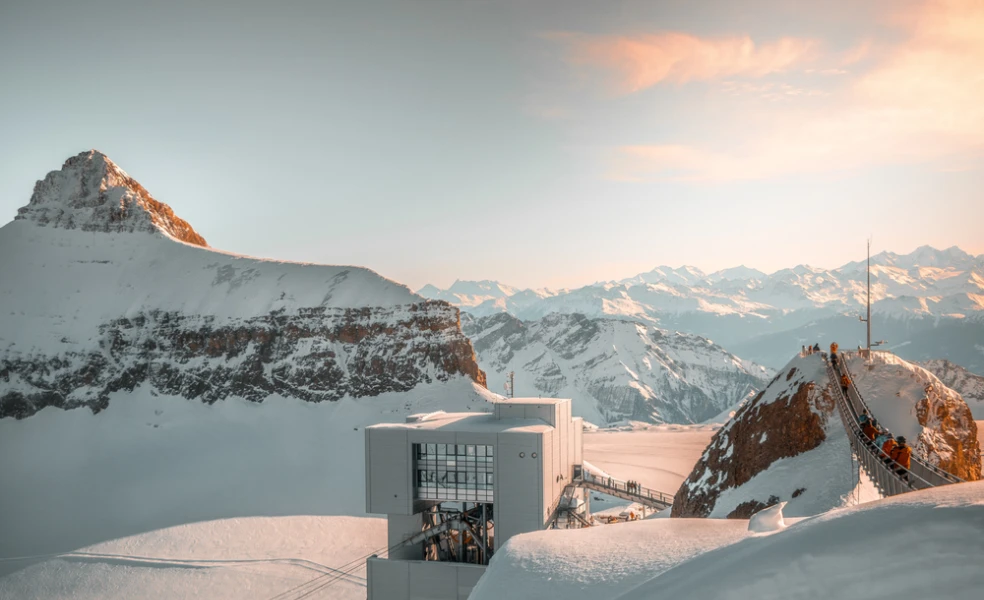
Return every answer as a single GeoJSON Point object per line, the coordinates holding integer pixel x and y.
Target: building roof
{"type": "Point", "coordinates": [468, 422]}
{"type": "Point", "coordinates": [533, 401]}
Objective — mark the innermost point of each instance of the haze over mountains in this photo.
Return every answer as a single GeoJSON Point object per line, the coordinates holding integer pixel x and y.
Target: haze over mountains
{"type": "Point", "coordinates": [926, 304]}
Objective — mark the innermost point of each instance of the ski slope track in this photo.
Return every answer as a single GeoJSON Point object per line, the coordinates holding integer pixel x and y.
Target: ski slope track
{"type": "Point", "coordinates": [104, 289]}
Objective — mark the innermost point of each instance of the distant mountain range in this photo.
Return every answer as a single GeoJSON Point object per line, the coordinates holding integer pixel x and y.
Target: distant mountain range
{"type": "Point", "coordinates": [614, 370]}
{"type": "Point", "coordinates": [926, 304]}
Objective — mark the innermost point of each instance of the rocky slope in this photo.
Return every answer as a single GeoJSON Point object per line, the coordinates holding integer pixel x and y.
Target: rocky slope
{"type": "Point", "coordinates": [788, 444]}
{"type": "Point", "coordinates": [614, 370]}
{"type": "Point", "coordinates": [960, 380]}
{"type": "Point", "coordinates": [104, 289]}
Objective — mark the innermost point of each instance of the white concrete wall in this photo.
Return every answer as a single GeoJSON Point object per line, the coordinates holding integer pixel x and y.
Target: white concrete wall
{"type": "Point", "coordinates": [419, 580]}
{"type": "Point", "coordinates": [398, 529]}
{"type": "Point", "coordinates": [578, 441]}
{"type": "Point", "coordinates": [518, 486]}
{"type": "Point", "coordinates": [388, 464]}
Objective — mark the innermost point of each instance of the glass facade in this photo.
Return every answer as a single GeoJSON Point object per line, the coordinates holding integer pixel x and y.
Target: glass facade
{"type": "Point", "coordinates": [453, 472]}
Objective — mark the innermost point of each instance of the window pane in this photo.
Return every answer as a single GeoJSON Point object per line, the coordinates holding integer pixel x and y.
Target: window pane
{"type": "Point", "coordinates": [488, 450]}
{"type": "Point", "coordinates": [470, 448]}
{"type": "Point", "coordinates": [431, 449]}
{"type": "Point", "coordinates": [442, 449]}
{"type": "Point", "coordinates": [481, 451]}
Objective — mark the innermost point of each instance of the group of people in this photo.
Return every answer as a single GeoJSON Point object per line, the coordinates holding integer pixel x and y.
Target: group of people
{"type": "Point", "coordinates": [893, 449]}
{"type": "Point", "coordinates": [808, 350]}
{"type": "Point", "coordinates": [632, 486]}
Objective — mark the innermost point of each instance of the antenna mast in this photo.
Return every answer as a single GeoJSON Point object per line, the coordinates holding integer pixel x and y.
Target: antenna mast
{"type": "Point", "coordinates": [868, 319]}
{"type": "Point", "coordinates": [511, 384]}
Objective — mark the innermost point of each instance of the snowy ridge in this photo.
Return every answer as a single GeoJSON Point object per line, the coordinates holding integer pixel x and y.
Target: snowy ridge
{"type": "Point", "coordinates": [928, 304]}
{"type": "Point", "coordinates": [911, 401]}
{"type": "Point", "coordinates": [786, 445]}
{"type": "Point", "coordinates": [614, 370]}
{"type": "Point", "coordinates": [92, 304]}
{"type": "Point", "coordinates": [928, 281]}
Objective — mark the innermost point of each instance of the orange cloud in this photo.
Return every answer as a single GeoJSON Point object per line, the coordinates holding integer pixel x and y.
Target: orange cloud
{"type": "Point", "coordinates": [644, 61]}
{"type": "Point", "coordinates": [923, 101]}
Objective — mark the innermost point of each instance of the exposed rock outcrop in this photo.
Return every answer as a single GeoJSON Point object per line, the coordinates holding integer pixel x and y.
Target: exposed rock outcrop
{"type": "Point", "coordinates": [316, 355]}
{"type": "Point", "coordinates": [960, 380]}
{"type": "Point", "coordinates": [791, 417]}
{"type": "Point", "coordinates": [789, 445]}
{"type": "Point", "coordinates": [91, 193]}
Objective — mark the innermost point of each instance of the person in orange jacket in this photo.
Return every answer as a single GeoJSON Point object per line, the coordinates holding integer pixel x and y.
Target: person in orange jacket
{"type": "Point", "coordinates": [870, 429]}
{"type": "Point", "coordinates": [902, 453]}
{"type": "Point", "coordinates": [888, 447]}
{"type": "Point", "coordinates": [845, 383]}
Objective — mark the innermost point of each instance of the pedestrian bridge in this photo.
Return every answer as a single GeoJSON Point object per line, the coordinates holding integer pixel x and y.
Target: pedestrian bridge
{"type": "Point", "coordinates": [890, 478]}
{"type": "Point", "coordinates": [621, 489]}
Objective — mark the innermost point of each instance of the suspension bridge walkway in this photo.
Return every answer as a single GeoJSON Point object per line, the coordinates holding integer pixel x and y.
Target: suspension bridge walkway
{"type": "Point", "coordinates": [887, 475]}
{"type": "Point", "coordinates": [622, 489]}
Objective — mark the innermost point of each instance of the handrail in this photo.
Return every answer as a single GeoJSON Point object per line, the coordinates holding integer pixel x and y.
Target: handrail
{"type": "Point", "coordinates": [883, 472]}
{"type": "Point", "coordinates": [919, 465]}
{"type": "Point", "coordinates": [618, 485]}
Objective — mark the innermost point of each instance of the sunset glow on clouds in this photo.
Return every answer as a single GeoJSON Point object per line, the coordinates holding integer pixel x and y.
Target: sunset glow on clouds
{"type": "Point", "coordinates": [644, 61]}
{"type": "Point", "coordinates": [916, 101]}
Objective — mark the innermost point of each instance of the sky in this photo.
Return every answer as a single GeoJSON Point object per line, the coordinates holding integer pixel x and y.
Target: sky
{"type": "Point", "coordinates": [541, 144]}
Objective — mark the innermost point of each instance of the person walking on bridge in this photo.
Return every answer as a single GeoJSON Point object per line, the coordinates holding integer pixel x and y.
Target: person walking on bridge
{"type": "Point", "coordinates": [883, 436]}
{"type": "Point", "coordinates": [887, 448]}
{"type": "Point", "coordinates": [845, 383]}
{"type": "Point", "coordinates": [870, 429]}
{"type": "Point", "coordinates": [902, 453]}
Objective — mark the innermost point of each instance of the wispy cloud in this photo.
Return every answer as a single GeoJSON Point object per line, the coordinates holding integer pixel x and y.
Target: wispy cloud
{"type": "Point", "coordinates": [640, 62]}
{"type": "Point", "coordinates": [921, 101]}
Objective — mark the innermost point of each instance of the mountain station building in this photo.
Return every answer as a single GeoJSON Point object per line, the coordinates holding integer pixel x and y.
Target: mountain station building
{"type": "Point", "coordinates": [456, 486]}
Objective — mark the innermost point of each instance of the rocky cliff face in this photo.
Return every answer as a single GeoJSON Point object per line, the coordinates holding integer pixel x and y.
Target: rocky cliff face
{"type": "Point", "coordinates": [788, 444]}
{"type": "Point", "coordinates": [98, 297]}
{"type": "Point", "coordinates": [792, 418]}
{"type": "Point", "coordinates": [960, 380]}
{"type": "Point", "coordinates": [614, 370]}
{"type": "Point", "coordinates": [91, 193]}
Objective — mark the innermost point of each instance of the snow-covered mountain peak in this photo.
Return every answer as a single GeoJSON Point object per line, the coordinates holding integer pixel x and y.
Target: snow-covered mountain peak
{"type": "Point", "coordinates": [92, 193]}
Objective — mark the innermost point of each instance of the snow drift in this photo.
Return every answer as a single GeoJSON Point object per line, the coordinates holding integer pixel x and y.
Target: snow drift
{"type": "Point", "coordinates": [925, 544]}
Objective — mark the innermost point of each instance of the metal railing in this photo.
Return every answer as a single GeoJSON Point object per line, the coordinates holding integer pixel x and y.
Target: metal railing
{"type": "Point", "coordinates": [890, 477]}
{"type": "Point", "coordinates": [931, 474]}
{"type": "Point", "coordinates": [622, 489]}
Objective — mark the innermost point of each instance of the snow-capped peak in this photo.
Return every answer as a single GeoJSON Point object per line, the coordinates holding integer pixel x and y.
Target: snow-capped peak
{"type": "Point", "coordinates": [91, 193]}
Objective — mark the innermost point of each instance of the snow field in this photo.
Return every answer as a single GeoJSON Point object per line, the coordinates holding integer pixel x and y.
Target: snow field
{"type": "Point", "coordinates": [232, 558]}
{"type": "Point", "coordinates": [72, 479]}
{"type": "Point", "coordinates": [915, 546]}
